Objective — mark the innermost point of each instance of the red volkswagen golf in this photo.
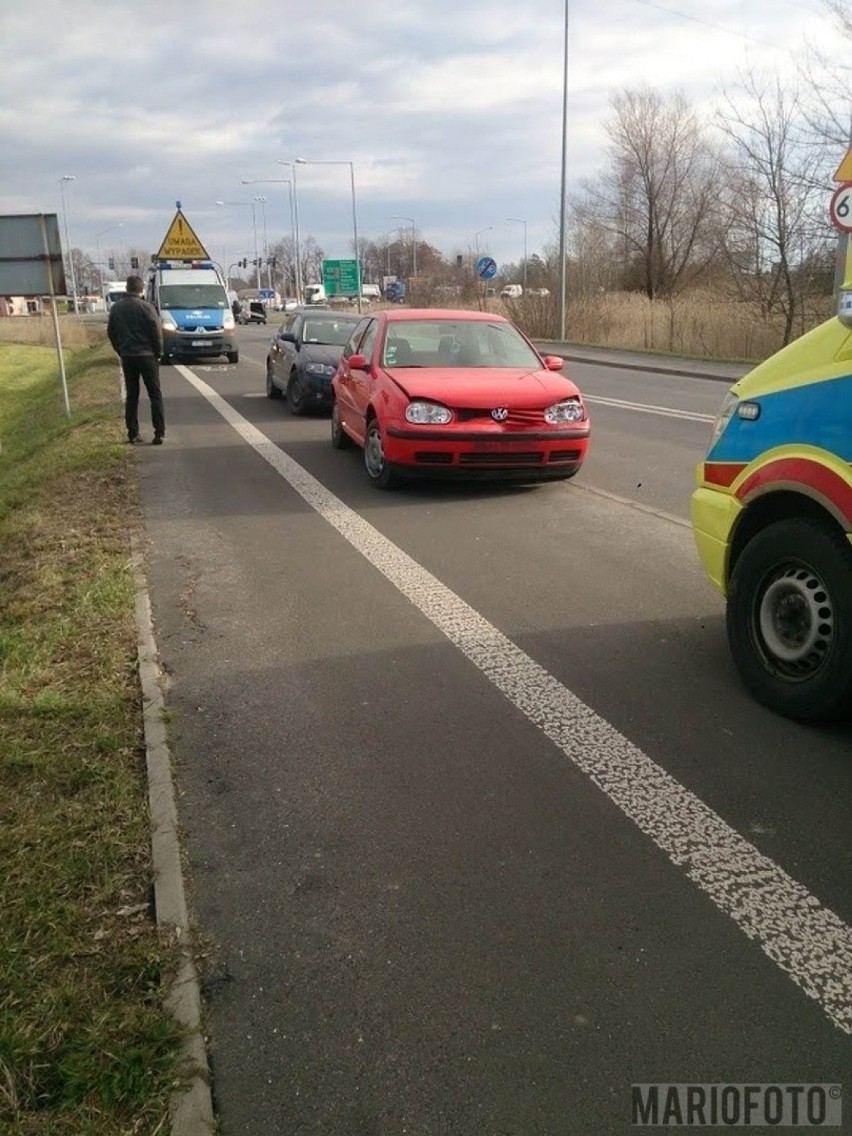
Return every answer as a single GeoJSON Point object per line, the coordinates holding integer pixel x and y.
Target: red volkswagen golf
{"type": "Point", "coordinates": [429, 393]}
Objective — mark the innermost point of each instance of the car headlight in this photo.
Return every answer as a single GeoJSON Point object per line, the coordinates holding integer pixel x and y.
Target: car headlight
{"type": "Point", "coordinates": [569, 410]}
{"type": "Point", "coordinates": [319, 369]}
{"type": "Point", "coordinates": [427, 414]}
{"type": "Point", "coordinates": [726, 413]}
{"type": "Point", "coordinates": [168, 323]}
{"type": "Point", "coordinates": [228, 321]}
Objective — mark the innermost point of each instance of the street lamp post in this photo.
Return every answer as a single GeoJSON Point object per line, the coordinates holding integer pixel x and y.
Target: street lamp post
{"type": "Point", "coordinates": [293, 227]}
{"type": "Point", "coordinates": [62, 181]}
{"type": "Point", "coordinates": [521, 221]}
{"type": "Point", "coordinates": [295, 203]}
{"type": "Point", "coordinates": [98, 236]}
{"type": "Point", "coordinates": [351, 165]}
{"type": "Point", "coordinates": [250, 205]}
{"type": "Point", "coordinates": [478, 234]}
{"type": "Point", "coordinates": [398, 217]}
{"type": "Point", "coordinates": [262, 201]}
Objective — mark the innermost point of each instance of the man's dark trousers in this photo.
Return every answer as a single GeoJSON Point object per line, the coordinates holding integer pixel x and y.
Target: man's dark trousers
{"type": "Point", "coordinates": [146, 368]}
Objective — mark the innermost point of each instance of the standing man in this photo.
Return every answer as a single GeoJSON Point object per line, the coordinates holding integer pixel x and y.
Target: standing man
{"type": "Point", "coordinates": [136, 336]}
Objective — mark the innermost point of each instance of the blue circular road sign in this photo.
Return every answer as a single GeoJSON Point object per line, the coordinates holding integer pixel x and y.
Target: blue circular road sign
{"type": "Point", "coordinates": [486, 268]}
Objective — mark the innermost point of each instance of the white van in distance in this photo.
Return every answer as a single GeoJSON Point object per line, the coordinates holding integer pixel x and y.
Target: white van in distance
{"type": "Point", "coordinates": [512, 292]}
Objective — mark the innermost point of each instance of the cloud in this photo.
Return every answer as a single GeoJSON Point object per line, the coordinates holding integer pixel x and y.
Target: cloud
{"type": "Point", "coordinates": [450, 113]}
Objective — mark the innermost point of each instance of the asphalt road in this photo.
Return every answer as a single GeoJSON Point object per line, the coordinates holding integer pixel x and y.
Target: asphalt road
{"type": "Point", "coordinates": [481, 827]}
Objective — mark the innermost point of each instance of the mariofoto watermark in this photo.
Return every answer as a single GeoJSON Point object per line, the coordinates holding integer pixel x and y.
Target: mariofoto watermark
{"type": "Point", "coordinates": [737, 1106]}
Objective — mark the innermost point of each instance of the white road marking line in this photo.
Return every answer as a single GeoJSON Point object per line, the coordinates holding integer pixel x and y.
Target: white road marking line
{"type": "Point", "coordinates": [808, 941]}
{"type": "Point", "coordinates": [649, 408]}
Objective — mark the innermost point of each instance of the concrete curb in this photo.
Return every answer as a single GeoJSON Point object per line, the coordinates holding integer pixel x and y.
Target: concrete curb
{"type": "Point", "coordinates": [658, 367]}
{"type": "Point", "coordinates": [190, 1108]}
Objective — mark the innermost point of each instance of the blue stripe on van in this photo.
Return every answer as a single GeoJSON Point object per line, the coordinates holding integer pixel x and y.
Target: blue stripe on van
{"type": "Point", "coordinates": [814, 414]}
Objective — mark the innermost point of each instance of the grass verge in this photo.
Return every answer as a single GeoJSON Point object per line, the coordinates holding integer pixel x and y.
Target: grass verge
{"type": "Point", "coordinates": [85, 1044]}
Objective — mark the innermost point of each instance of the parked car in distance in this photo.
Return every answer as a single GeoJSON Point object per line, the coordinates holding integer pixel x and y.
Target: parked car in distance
{"type": "Point", "coordinates": [252, 311]}
{"type": "Point", "coordinates": [512, 292]}
{"type": "Point", "coordinates": [303, 356]}
{"type": "Point", "coordinates": [434, 393]}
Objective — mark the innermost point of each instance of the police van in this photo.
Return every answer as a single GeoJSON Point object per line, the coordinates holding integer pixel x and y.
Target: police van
{"type": "Point", "coordinates": [772, 517]}
{"type": "Point", "coordinates": [194, 308]}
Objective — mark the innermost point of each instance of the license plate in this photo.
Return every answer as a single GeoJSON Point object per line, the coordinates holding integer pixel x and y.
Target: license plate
{"type": "Point", "coordinates": [199, 343]}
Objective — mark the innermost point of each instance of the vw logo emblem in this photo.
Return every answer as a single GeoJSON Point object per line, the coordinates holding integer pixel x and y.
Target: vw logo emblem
{"type": "Point", "coordinates": [500, 413]}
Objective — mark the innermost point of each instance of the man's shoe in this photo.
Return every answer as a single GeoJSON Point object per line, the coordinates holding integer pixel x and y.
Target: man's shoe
{"type": "Point", "coordinates": [157, 440]}
{"type": "Point", "coordinates": [137, 441]}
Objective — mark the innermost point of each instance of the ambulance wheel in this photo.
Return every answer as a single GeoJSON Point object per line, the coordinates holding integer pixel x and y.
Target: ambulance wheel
{"type": "Point", "coordinates": [790, 619]}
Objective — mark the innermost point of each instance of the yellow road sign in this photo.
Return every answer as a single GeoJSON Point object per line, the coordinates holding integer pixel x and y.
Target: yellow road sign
{"type": "Point", "coordinates": [844, 170]}
{"type": "Point", "coordinates": [181, 243]}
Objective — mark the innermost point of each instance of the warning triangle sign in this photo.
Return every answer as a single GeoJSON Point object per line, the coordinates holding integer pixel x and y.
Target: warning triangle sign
{"type": "Point", "coordinates": [844, 170]}
{"type": "Point", "coordinates": [181, 243]}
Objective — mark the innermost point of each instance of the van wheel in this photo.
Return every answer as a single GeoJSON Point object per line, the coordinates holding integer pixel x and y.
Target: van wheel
{"type": "Point", "coordinates": [380, 473]}
{"type": "Point", "coordinates": [233, 356]}
{"type": "Point", "coordinates": [789, 619]}
{"type": "Point", "coordinates": [339, 438]}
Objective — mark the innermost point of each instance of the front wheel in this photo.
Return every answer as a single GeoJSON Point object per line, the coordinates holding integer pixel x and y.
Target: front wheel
{"type": "Point", "coordinates": [789, 619]}
{"type": "Point", "coordinates": [380, 473]}
{"type": "Point", "coordinates": [339, 438]}
{"type": "Point", "coordinates": [272, 390]}
{"type": "Point", "coordinates": [232, 356]}
{"type": "Point", "coordinates": [295, 397]}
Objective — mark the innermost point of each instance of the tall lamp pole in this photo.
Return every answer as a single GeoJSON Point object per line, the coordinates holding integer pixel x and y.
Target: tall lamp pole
{"type": "Point", "coordinates": [478, 234]}
{"type": "Point", "coordinates": [98, 236]}
{"type": "Point", "coordinates": [250, 205]}
{"type": "Point", "coordinates": [289, 183]}
{"type": "Point", "coordinates": [262, 201]}
{"type": "Point", "coordinates": [521, 221]}
{"type": "Point", "coordinates": [62, 181]}
{"type": "Point", "coordinates": [298, 282]}
{"type": "Point", "coordinates": [399, 217]}
{"type": "Point", "coordinates": [351, 165]}
{"type": "Point", "coordinates": [562, 193]}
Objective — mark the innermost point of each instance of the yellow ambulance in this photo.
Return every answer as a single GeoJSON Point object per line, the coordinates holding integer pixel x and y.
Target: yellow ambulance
{"type": "Point", "coordinates": [772, 517]}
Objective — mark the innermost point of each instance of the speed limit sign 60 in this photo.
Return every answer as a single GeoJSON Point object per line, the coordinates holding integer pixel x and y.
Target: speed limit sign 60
{"type": "Point", "coordinates": [841, 208]}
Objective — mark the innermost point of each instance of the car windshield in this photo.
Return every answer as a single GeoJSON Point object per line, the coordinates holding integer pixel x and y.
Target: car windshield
{"type": "Point", "coordinates": [192, 296]}
{"type": "Point", "coordinates": [332, 332]}
{"type": "Point", "coordinates": [456, 343]}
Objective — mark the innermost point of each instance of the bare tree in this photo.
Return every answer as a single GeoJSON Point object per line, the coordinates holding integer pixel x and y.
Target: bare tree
{"type": "Point", "coordinates": [776, 223]}
{"type": "Point", "coordinates": [658, 194]}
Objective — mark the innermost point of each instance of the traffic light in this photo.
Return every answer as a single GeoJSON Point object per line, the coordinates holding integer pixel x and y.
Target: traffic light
{"type": "Point", "coordinates": [273, 260]}
{"type": "Point", "coordinates": [112, 264]}
{"type": "Point", "coordinates": [243, 263]}
{"type": "Point", "coordinates": [134, 262]}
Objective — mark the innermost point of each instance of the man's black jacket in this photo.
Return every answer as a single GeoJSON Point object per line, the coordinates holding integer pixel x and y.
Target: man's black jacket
{"type": "Point", "coordinates": [134, 327]}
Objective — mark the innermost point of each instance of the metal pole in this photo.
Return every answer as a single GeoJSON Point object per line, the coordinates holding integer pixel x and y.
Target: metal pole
{"type": "Point", "coordinates": [256, 250]}
{"type": "Point", "coordinates": [525, 257]}
{"type": "Point", "coordinates": [562, 193]}
{"type": "Point", "coordinates": [52, 293]}
{"type": "Point", "coordinates": [299, 282]}
{"type": "Point", "coordinates": [355, 231]}
{"type": "Point", "coordinates": [62, 181]}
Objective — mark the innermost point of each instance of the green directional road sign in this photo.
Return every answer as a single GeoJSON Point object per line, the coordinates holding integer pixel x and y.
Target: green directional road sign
{"type": "Point", "coordinates": [340, 277]}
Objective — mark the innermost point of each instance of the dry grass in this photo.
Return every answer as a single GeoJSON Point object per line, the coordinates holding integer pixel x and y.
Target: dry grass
{"type": "Point", "coordinates": [76, 331]}
{"type": "Point", "coordinates": [698, 325]}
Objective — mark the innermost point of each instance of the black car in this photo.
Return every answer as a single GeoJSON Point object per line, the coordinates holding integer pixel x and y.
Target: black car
{"type": "Point", "coordinates": [303, 357]}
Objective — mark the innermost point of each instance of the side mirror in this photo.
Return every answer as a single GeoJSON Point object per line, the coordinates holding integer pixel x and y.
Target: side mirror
{"type": "Point", "coordinates": [357, 363]}
{"type": "Point", "coordinates": [287, 337]}
{"type": "Point", "coordinates": [554, 362]}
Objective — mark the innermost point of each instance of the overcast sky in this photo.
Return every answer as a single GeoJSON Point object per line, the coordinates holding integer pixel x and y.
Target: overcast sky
{"type": "Point", "coordinates": [450, 112]}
